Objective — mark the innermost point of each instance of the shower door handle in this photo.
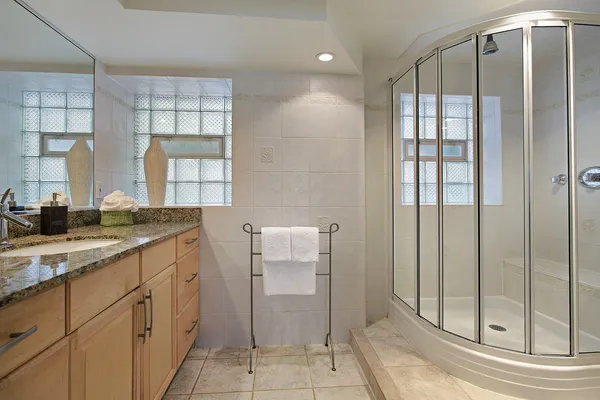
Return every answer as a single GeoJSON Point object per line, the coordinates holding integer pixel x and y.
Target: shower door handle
{"type": "Point", "coordinates": [560, 179]}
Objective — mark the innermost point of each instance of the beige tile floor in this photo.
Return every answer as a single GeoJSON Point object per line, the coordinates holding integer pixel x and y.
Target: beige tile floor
{"type": "Point", "coordinates": [281, 373]}
{"type": "Point", "coordinates": [415, 377]}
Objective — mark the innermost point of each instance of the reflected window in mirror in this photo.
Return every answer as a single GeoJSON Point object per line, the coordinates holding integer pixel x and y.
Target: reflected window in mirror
{"type": "Point", "coordinates": [52, 121]}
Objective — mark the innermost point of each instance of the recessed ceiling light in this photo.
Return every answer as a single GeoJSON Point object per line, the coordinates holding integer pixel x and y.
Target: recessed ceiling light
{"type": "Point", "coordinates": [325, 57]}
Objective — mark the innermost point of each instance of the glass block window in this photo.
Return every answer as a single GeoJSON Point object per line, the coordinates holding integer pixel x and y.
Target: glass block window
{"type": "Point", "coordinates": [52, 121]}
{"type": "Point", "coordinates": [457, 163]}
{"type": "Point", "coordinates": [196, 132]}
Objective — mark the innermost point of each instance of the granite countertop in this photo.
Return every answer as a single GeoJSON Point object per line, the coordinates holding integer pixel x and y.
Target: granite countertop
{"type": "Point", "coordinates": [22, 277]}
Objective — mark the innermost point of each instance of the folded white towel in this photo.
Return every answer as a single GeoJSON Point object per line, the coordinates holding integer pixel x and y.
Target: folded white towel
{"type": "Point", "coordinates": [117, 201]}
{"type": "Point", "coordinates": [276, 244]}
{"type": "Point", "coordinates": [289, 278]}
{"type": "Point", "coordinates": [62, 200]}
{"type": "Point", "coordinates": [305, 244]}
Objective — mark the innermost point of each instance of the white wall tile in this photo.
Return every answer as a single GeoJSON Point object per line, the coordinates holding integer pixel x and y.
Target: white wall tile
{"type": "Point", "coordinates": [237, 331]}
{"type": "Point", "coordinates": [308, 327]}
{"type": "Point", "coordinates": [295, 216]}
{"type": "Point", "coordinates": [267, 118]}
{"type": "Point", "coordinates": [273, 328]}
{"type": "Point", "coordinates": [351, 155]}
{"type": "Point", "coordinates": [243, 189]}
{"type": "Point", "coordinates": [323, 157]}
{"type": "Point", "coordinates": [267, 144]}
{"type": "Point", "coordinates": [236, 296]}
{"type": "Point", "coordinates": [211, 296]}
{"type": "Point", "coordinates": [295, 120]}
{"type": "Point", "coordinates": [224, 259]}
{"type": "Point", "coordinates": [350, 219]}
{"type": "Point", "coordinates": [295, 189]}
{"type": "Point", "coordinates": [224, 224]}
{"type": "Point", "coordinates": [267, 189]}
{"type": "Point", "coordinates": [328, 190]}
{"type": "Point", "coordinates": [351, 122]}
{"type": "Point", "coordinates": [348, 292]}
{"type": "Point", "coordinates": [302, 122]}
{"type": "Point", "coordinates": [266, 216]}
{"type": "Point", "coordinates": [212, 330]}
{"type": "Point", "coordinates": [296, 154]}
{"type": "Point", "coordinates": [345, 86]}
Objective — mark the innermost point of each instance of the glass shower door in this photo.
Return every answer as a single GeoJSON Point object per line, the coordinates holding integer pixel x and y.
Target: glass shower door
{"type": "Point", "coordinates": [458, 213]}
{"type": "Point", "coordinates": [404, 190]}
{"type": "Point", "coordinates": [502, 196]}
{"type": "Point", "coordinates": [587, 168]}
{"type": "Point", "coordinates": [426, 158]}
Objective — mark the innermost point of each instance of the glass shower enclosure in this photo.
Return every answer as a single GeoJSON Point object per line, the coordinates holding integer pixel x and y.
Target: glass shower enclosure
{"type": "Point", "coordinates": [496, 185]}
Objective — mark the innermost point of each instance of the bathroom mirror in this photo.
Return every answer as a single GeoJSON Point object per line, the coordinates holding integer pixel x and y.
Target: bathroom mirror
{"type": "Point", "coordinates": [46, 106]}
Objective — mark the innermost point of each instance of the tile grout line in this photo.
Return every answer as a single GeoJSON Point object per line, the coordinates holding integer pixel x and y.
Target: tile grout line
{"type": "Point", "coordinates": [200, 373]}
{"type": "Point", "coordinates": [461, 388]}
{"type": "Point", "coordinates": [312, 385]}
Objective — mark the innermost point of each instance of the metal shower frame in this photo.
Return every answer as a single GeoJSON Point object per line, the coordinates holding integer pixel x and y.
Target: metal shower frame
{"type": "Point", "coordinates": [475, 35]}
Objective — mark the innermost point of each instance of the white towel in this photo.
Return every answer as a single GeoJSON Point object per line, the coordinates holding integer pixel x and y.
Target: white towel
{"type": "Point", "coordinates": [276, 244]}
{"type": "Point", "coordinates": [289, 278]}
{"type": "Point", "coordinates": [117, 201]}
{"type": "Point", "coordinates": [305, 244]}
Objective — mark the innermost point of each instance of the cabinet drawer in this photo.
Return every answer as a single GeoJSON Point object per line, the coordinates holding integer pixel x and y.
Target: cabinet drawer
{"type": "Point", "coordinates": [93, 293]}
{"type": "Point", "coordinates": [157, 258]}
{"type": "Point", "coordinates": [187, 241]}
{"type": "Point", "coordinates": [187, 278]}
{"type": "Point", "coordinates": [187, 327]}
{"type": "Point", "coordinates": [46, 311]}
{"type": "Point", "coordinates": [44, 377]}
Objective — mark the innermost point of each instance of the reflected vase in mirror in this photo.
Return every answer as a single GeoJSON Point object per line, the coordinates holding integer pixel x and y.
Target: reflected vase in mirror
{"type": "Point", "coordinates": [156, 164]}
{"type": "Point", "coordinates": [80, 170]}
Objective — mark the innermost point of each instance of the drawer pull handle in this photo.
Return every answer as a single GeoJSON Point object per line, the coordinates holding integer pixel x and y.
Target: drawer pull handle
{"type": "Point", "coordinates": [18, 337]}
{"type": "Point", "coordinates": [192, 328]}
{"type": "Point", "coordinates": [192, 278]}
{"type": "Point", "coordinates": [151, 314]}
{"type": "Point", "coordinates": [143, 335]}
{"type": "Point", "coordinates": [190, 241]}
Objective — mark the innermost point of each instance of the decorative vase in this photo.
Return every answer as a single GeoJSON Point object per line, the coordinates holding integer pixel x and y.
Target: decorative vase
{"type": "Point", "coordinates": [80, 167]}
{"type": "Point", "coordinates": [156, 164]}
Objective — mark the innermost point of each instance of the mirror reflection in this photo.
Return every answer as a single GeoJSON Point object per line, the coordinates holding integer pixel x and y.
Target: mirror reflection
{"type": "Point", "coordinates": [46, 112]}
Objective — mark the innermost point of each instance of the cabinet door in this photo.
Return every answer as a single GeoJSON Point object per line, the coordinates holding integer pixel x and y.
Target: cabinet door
{"type": "Point", "coordinates": [105, 353]}
{"type": "Point", "coordinates": [159, 352]}
{"type": "Point", "coordinates": [45, 376]}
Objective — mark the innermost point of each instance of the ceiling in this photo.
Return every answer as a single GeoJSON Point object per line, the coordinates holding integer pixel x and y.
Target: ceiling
{"type": "Point", "coordinates": [282, 35]}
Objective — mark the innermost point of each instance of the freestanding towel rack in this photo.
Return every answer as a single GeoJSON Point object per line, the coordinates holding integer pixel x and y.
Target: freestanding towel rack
{"type": "Point", "coordinates": [248, 228]}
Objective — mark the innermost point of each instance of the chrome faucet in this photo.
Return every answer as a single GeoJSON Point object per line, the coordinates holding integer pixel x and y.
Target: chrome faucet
{"type": "Point", "coordinates": [5, 216]}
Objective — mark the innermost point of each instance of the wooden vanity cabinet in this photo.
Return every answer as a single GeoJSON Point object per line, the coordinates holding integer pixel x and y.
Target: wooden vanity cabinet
{"type": "Point", "coordinates": [159, 352]}
{"type": "Point", "coordinates": [46, 376]}
{"type": "Point", "coordinates": [128, 326]}
{"type": "Point", "coordinates": [105, 353]}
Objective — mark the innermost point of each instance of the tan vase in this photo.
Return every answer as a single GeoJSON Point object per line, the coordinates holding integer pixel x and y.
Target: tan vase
{"type": "Point", "coordinates": [156, 165]}
{"type": "Point", "coordinates": [80, 169]}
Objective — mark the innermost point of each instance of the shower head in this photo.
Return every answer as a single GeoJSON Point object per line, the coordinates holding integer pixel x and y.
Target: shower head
{"type": "Point", "coordinates": [490, 46]}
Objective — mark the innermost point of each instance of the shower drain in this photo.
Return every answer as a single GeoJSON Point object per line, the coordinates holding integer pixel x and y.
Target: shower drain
{"type": "Point", "coordinates": [498, 328]}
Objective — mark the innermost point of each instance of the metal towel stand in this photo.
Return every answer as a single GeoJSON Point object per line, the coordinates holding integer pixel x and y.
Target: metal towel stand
{"type": "Point", "coordinates": [333, 228]}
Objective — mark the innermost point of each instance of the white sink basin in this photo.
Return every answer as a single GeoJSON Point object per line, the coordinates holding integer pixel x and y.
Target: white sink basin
{"type": "Point", "coordinates": [60, 247]}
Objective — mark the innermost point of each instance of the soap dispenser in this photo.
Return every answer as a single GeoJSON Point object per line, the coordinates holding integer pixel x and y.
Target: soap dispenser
{"type": "Point", "coordinates": [53, 219]}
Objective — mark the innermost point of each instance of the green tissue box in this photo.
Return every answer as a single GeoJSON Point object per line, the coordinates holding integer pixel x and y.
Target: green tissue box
{"type": "Point", "coordinates": [116, 218]}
